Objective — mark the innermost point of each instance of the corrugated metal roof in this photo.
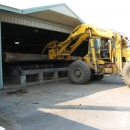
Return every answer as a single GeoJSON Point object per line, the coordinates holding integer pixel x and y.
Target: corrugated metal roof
{"type": "Point", "coordinates": [59, 13]}
{"type": "Point", "coordinates": [59, 8]}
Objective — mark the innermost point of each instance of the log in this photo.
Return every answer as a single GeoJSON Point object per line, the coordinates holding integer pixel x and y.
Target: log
{"type": "Point", "coordinates": [15, 57]}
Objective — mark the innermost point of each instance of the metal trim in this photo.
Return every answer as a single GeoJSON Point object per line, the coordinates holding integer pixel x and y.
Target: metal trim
{"type": "Point", "coordinates": [41, 8]}
{"type": "Point", "coordinates": [1, 74]}
{"type": "Point", "coordinates": [7, 8]}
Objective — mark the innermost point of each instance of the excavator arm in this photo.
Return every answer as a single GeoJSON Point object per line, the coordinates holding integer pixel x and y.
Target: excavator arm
{"type": "Point", "coordinates": [60, 50]}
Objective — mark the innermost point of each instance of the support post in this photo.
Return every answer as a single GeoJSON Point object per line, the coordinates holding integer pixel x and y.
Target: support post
{"type": "Point", "coordinates": [40, 77]}
{"type": "Point", "coordinates": [17, 78]}
{"type": "Point", "coordinates": [1, 74]}
{"type": "Point", "coordinates": [56, 76]}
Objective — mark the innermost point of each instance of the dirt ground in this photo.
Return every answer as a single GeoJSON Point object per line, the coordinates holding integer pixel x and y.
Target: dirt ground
{"type": "Point", "coordinates": [97, 105]}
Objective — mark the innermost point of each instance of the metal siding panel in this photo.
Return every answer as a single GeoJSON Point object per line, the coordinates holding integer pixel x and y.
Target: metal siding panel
{"type": "Point", "coordinates": [40, 25]}
{"type": "Point", "coordinates": [33, 22]}
{"type": "Point", "coordinates": [12, 19]}
{"type": "Point", "coordinates": [49, 27]}
{"type": "Point", "coordinates": [24, 22]}
{"type": "Point", "coordinates": [16, 20]}
{"type": "Point", "coordinates": [46, 26]}
{"type": "Point", "coordinates": [4, 18]}
{"type": "Point", "coordinates": [28, 23]}
{"type": "Point", "coordinates": [54, 27]}
{"type": "Point", "coordinates": [36, 24]}
{"type": "Point", "coordinates": [19, 20]}
{"type": "Point", "coordinates": [8, 18]}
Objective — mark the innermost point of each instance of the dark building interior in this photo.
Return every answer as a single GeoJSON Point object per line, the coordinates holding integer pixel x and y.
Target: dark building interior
{"type": "Point", "coordinates": [32, 40]}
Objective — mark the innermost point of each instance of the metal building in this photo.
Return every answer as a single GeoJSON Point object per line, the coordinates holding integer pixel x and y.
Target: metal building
{"type": "Point", "coordinates": [15, 24]}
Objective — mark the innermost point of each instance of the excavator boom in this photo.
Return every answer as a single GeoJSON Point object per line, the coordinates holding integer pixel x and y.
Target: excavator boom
{"type": "Point", "coordinates": [79, 34]}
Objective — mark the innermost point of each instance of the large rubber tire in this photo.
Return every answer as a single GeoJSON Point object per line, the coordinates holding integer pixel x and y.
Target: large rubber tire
{"type": "Point", "coordinates": [79, 72]}
{"type": "Point", "coordinates": [126, 74]}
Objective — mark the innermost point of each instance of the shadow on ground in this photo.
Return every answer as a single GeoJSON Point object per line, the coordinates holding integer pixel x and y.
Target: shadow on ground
{"type": "Point", "coordinates": [22, 109]}
{"type": "Point", "coordinates": [47, 121]}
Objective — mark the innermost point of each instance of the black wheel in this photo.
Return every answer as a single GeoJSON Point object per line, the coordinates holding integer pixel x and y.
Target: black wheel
{"type": "Point", "coordinates": [79, 72]}
{"type": "Point", "coordinates": [97, 77]}
{"type": "Point", "coordinates": [126, 74]}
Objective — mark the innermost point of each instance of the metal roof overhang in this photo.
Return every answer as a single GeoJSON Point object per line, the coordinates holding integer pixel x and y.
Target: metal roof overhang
{"type": "Point", "coordinates": [56, 17]}
{"type": "Point", "coordinates": [59, 13]}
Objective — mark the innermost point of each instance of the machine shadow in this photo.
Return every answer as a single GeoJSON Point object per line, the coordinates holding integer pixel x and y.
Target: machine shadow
{"type": "Point", "coordinates": [47, 121]}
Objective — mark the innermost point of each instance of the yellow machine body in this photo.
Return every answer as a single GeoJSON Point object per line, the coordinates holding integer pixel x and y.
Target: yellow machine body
{"type": "Point", "coordinates": [118, 48]}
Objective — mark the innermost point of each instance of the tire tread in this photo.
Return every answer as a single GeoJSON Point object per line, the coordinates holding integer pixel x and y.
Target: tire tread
{"type": "Point", "coordinates": [125, 79]}
{"type": "Point", "coordinates": [87, 72]}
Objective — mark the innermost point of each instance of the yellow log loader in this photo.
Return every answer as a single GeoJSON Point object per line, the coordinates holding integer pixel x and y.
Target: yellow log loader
{"type": "Point", "coordinates": [107, 52]}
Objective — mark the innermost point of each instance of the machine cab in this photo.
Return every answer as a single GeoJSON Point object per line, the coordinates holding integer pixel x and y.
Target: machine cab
{"type": "Point", "coordinates": [103, 48]}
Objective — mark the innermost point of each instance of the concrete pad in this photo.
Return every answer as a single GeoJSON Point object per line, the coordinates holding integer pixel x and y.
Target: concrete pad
{"type": "Point", "coordinates": [97, 105]}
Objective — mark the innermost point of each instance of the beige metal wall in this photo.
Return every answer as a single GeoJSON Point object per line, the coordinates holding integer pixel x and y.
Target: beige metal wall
{"type": "Point", "coordinates": [33, 22]}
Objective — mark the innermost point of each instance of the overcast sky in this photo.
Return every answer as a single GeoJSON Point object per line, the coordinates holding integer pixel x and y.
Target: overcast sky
{"type": "Point", "coordinates": [112, 14]}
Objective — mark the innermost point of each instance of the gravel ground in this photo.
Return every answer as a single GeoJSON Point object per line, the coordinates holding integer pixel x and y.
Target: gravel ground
{"type": "Point", "coordinates": [97, 105]}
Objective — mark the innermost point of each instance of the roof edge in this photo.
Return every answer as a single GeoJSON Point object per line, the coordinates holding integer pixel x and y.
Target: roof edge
{"type": "Point", "coordinates": [36, 9]}
{"type": "Point", "coordinates": [40, 8]}
{"type": "Point", "coordinates": [74, 14]}
{"type": "Point", "coordinates": [11, 9]}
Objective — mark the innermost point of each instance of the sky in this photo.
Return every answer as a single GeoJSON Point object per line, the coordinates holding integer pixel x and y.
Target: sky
{"type": "Point", "coordinates": [111, 14]}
